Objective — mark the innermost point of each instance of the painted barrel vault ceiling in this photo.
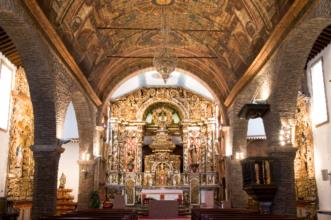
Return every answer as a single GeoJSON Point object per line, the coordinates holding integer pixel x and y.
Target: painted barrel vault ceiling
{"type": "Point", "coordinates": [215, 39]}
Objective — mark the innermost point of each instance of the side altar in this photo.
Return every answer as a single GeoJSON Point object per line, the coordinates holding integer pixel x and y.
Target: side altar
{"type": "Point", "coordinates": [162, 143]}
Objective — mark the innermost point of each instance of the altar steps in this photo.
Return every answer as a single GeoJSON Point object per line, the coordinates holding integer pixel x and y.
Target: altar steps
{"type": "Point", "coordinates": [182, 211]}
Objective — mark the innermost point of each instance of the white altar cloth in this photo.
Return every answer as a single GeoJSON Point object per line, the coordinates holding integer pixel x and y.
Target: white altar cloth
{"type": "Point", "coordinates": [162, 194]}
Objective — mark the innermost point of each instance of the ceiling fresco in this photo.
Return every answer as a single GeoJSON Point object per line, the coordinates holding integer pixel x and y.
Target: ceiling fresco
{"type": "Point", "coordinates": [216, 40]}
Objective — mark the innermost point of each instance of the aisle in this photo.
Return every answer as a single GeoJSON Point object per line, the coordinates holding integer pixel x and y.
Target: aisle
{"type": "Point", "coordinates": [178, 218]}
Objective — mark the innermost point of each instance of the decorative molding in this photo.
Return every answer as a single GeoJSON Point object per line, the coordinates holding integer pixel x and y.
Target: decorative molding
{"type": "Point", "coordinates": [56, 41]}
{"type": "Point", "coordinates": [292, 16]}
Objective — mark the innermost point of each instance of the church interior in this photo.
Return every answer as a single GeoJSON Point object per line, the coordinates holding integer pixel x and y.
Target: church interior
{"type": "Point", "coordinates": [165, 109]}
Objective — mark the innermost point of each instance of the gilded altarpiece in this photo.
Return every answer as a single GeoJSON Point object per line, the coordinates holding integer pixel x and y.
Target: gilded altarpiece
{"type": "Point", "coordinates": [306, 189]}
{"type": "Point", "coordinates": [21, 164]}
{"type": "Point", "coordinates": [162, 138]}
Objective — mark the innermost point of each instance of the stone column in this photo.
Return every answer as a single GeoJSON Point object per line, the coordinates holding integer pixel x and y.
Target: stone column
{"type": "Point", "coordinates": [86, 182]}
{"type": "Point", "coordinates": [284, 202]}
{"type": "Point", "coordinates": [46, 158]}
{"type": "Point", "coordinates": [238, 134]}
{"type": "Point", "coordinates": [98, 152]}
{"type": "Point", "coordinates": [236, 195]}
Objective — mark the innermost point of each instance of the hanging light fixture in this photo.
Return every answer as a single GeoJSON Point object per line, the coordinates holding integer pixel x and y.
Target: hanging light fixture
{"type": "Point", "coordinates": [164, 61]}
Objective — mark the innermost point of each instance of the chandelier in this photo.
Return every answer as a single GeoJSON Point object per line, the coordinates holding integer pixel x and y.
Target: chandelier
{"type": "Point", "coordinates": [164, 61]}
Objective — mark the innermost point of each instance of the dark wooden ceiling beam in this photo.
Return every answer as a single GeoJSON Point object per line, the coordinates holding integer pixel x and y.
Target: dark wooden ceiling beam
{"type": "Point", "coordinates": [322, 41]}
{"type": "Point", "coordinates": [9, 49]}
{"type": "Point", "coordinates": [2, 37]}
{"type": "Point", "coordinates": [6, 41]}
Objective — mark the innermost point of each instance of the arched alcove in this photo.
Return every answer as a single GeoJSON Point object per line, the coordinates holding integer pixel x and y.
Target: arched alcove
{"type": "Point", "coordinates": [68, 164]}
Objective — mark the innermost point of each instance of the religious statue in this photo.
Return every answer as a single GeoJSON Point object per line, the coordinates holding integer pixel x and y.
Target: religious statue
{"type": "Point", "coordinates": [19, 156]}
{"type": "Point", "coordinates": [193, 154]}
{"type": "Point", "coordinates": [63, 180]}
{"type": "Point", "coordinates": [162, 176]}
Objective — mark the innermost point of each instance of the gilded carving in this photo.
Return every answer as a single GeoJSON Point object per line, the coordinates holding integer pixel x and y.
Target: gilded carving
{"type": "Point", "coordinates": [144, 126]}
{"type": "Point", "coordinates": [133, 106]}
{"type": "Point", "coordinates": [21, 164]}
{"type": "Point", "coordinates": [305, 182]}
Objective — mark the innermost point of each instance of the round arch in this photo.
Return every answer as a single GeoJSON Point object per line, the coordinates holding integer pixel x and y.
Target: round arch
{"type": "Point", "coordinates": [177, 105]}
{"type": "Point", "coordinates": [36, 58]}
{"type": "Point", "coordinates": [215, 92]}
{"type": "Point", "coordinates": [289, 70]}
{"type": "Point", "coordinates": [185, 72]}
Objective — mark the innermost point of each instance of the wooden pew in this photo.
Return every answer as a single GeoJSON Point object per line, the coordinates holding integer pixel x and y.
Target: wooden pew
{"type": "Point", "coordinates": [233, 214]}
{"type": "Point", "coordinates": [97, 214]}
{"type": "Point", "coordinates": [197, 212]}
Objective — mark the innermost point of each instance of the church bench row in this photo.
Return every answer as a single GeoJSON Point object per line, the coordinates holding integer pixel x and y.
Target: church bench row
{"type": "Point", "coordinates": [243, 217]}
{"type": "Point", "coordinates": [233, 214]}
{"type": "Point", "coordinates": [97, 214]}
{"type": "Point", "coordinates": [119, 217]}
{"type": "Point", "coordinates": [197, 212]}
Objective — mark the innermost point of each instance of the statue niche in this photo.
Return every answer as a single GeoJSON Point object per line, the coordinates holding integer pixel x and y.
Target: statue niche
{"type": "Point", "coordinates": [162, 172]}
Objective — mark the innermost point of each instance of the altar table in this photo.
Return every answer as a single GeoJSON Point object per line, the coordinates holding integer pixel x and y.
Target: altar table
{"type": "Point", "coordinates": [162, 194]}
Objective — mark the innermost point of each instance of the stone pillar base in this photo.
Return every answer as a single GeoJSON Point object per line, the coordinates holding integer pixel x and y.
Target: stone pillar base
{"type": "Point", "coordinates": [86, 183]}
{"type": "Point", "coordinates": [237, 196]}
{"type": "Point", "coordinates": [46, 159]}
{"type": "Point", "coordinates": [284, 202]}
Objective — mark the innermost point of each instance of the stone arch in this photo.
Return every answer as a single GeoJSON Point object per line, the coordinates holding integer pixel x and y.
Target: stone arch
{"type": "Point", "coordinates": [69, 91]}
{"type": "Point", "coordinates": [85, 120]}
{"type": "Point", "coordinates": [36, 58]}
{"type": "Point", "coordinates": [186, 72]}
{"type": "Point", "coordinates": [288, 68]}
{"type": "Point", "coordinates": [211, 88]}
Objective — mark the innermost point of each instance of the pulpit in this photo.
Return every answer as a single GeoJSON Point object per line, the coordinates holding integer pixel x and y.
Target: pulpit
{"type": "Point", "coordinates": [258, 181]}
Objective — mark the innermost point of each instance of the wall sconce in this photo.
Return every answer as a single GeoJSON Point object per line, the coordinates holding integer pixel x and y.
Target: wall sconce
{"type": "Point", "coordinates": [86, 164]}
{"type": "Point", "coordinates": [325, 174]}
{"type": "Point", "coordinates": [239, 155]}
{"type": "Point", "coordinates": [285, 135]}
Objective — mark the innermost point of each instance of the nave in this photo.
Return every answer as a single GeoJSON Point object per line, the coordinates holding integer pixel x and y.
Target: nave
{"type": "Point", "coordinates": [153, 109]}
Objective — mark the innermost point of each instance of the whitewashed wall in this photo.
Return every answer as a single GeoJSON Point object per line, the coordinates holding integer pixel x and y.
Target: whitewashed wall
{"type": "Point", "coordinates": [68, 161]}
{"type": "Point", "coordinates": [322, 138]}
{"type": "Point", "coordinates": [4, 134]}
{"type": "Point", "coordinates": [4, 146]}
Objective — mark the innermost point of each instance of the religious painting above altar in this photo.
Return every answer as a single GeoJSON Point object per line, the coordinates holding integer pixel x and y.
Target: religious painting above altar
{"type": "Point", "coordinates": [162, 138]}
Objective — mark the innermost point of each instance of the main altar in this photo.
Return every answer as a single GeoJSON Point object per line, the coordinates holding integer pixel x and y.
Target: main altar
{"type": "Point", "coordinates": [162, 194]}
{"type": "Point", "coordinates": [162, 144]}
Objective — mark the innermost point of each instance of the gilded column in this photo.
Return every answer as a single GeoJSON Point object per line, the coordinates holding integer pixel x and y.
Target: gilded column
{"type": "Point", "coordinates": [185, 149]}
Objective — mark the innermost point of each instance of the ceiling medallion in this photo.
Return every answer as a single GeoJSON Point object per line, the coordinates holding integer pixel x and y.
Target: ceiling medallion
{"type": "Point", "coordinates": [163, 2]}
{"type": "Point", "coordinates": [164, 61]}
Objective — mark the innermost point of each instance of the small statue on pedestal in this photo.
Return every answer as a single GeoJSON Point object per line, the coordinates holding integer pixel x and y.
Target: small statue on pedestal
{"type": "Point", "coordinates": [63, 180]}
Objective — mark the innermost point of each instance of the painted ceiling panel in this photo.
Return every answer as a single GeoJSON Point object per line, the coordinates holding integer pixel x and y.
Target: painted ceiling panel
{"type": "Point", "coordinates": [222, 37]}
